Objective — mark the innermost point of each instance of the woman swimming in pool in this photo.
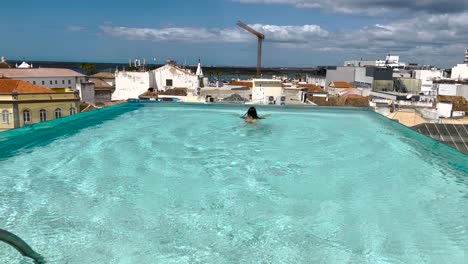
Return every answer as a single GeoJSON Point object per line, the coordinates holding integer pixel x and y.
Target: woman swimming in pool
{"type": "Point", "coordinates": [251, 117]}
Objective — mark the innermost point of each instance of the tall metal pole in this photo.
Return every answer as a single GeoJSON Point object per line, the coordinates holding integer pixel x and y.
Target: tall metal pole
{"type": "Point", "coordinates": [259, 58]}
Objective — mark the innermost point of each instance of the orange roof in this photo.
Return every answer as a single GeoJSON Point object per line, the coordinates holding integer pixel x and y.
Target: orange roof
{"type": "Point", "coordinates": [7, 86]}
{"type": "Point", "coordinates": [241, 83]}
{"type": "Point", "coordinates": [311, 88]}
{"type": "Point", "coordinates": [341, 85]}
{"type": "Point", "coordinates": [355, 96]}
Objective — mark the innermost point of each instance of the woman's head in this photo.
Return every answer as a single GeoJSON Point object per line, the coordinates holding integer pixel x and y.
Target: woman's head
{"type": "Point", "coordinates": [252, 112]}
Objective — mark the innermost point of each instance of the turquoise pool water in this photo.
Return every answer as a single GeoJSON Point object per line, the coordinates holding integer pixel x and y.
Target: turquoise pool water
{"type": "Point", "coordinates": [173, 183]}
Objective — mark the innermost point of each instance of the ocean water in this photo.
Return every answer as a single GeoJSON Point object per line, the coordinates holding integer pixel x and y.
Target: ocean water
{"type": "Point", "coordinates": [173, 183]}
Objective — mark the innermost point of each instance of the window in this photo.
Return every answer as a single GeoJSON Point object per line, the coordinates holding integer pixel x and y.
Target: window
{"type": "Point", "coordinates": [34, 82]}
{"type": "Point", "coordinates": [50, 81]}
{"type": "Point", "coordinates": [69, 81]}
{"type": "Point", "coordinates": [55, 81]}
{"type": "Point", "coordinates": [63, 81]}
{"type": "Point", "coordinates": [43, 82]}
{"type": "Point", "coordinates": [42, 115]}
{"type": "Point", "coordinates": [26, 116]}
{"type": "Point", "coordinates": [6, 116]}
{"type": "Point", "coordinates": [169, 82]}
{"type": "Point", "coordinates": [58, 113]}
{"type": "Point", "coordinates": [72, 110]}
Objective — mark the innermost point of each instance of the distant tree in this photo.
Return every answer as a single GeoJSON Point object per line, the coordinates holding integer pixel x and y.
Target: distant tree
{"type": "Point", "coordinates": [219, 73]}
{"type": "Point", "coordinates": [88, 68]}
{"type": "Point", "coordinates": [132, 68]}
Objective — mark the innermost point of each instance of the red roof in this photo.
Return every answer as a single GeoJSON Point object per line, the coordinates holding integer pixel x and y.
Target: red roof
{"type": "Point", "coordinates": [7, 86]}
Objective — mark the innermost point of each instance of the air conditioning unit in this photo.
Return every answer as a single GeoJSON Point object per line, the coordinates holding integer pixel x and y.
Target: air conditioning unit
{"type": "Point", "coordinates": [271, 100]}
{"type": "Point", "coordinates": [281, 100]}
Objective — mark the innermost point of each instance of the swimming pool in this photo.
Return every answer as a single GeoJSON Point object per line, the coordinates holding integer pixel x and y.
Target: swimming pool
{"type": "Point", "coordinates": [175, 183]}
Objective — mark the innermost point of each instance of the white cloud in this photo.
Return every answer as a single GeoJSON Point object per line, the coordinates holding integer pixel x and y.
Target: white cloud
{"type": "Point", "coordinates": [433, 39]}
{"type": "Point", "coordinates": [374, 7]}
{"type": "Point", "coordinates": [75, 28]}
{"type": "Point", "coordinates": [287, 34]}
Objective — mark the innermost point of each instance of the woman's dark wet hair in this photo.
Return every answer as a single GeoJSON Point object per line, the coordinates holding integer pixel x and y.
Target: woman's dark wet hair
{"type": "Point", "coordinates": [252, 113]}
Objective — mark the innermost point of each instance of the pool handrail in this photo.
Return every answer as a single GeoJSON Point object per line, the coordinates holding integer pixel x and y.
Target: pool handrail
{"type": "Point", "coordinates": [20, 245]}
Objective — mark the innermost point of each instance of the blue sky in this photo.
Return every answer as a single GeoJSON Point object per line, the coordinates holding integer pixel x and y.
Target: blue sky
{"type": "Point", "coordinates": [298, 32]}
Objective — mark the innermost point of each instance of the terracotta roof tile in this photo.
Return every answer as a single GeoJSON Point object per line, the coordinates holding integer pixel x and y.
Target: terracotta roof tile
{"type": "Point", "coordinates": [7, 86]}
{"type": "Point", "coordinates": [311, 88]}
{"type": "Point", "coordinates": [341, 85]}
{"type": "Point", "coordinates": [241, 83]}
{"type": "Point", "coordinates": [39, 73]}
{"type": "Point", "coordinates": [100, 84]}
{"type": "Point", "coordinates": [103, 75]}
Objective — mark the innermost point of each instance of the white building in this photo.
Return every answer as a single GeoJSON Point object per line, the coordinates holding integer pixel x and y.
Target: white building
{"type": "Point", "coordinates": [390, 61]}
{"type": "Point", "coordinates": [170, 76]}
{"type": "Point", "coordinates": [53, 78]}
{"type": "Point", "coordinates": [460, 72]}
{"type": "Point", "coordinates": [132, 84]}
{"type": "Point", "coordinates": [427, 78]}
{"type": "Point", "coordinates": [266, 91]}
{"type": "Point", "coordinates": [452, 89]}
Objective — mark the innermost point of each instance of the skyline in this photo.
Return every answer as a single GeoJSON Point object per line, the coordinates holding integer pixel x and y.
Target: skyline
{"type": "Point", "coordinates": [299, 33]}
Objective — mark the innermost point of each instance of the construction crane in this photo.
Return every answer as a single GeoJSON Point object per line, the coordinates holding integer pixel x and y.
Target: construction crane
{"type": "Point", "coordinates": [261, 38]}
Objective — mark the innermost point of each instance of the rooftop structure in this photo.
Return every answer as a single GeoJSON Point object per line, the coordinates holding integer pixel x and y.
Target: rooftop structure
{"type": "Point", "coordinates": [391, 61]}
{"type": "Point", "coordinates": [199, 72]}
{"type": "Point", "coordinates": [466, 57]}
{"type": "Point", "coordinates": [24, 65]}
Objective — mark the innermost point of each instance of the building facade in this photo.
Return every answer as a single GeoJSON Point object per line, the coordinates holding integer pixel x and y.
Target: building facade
{"type": "Point", "coordinates": [52, 78]}
{"type": "Point", "coordinates": [132, 84]}
{"type": "Point", "coordinates": [22, 104]}
{"type": "Point", "coordinates": [266, 91]}
{"type": "Point", "coordinates": [427, 78]}
{"type": "Point", "coordinates": [460, 72]}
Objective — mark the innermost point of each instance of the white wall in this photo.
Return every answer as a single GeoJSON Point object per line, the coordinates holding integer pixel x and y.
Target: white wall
{"type": "Point", "coordinates": [180, 79]}
{"type": "Point", "coordinates": [444, 109]}
{"type": "Point", "coordinates": [57, 82]}
{"type": "Point", "coordinates": [447, 89]}
{"type": "Point", "coordinates": [130, 84]}
{"type": "Point", "coordinates": [263, 88]}
{"type": "Point", "coordinates": [460, 72]}
{"type": "Point", "coordinates": [427, 77]}
{"type": "Point", "coordinates": [360, 76]}
{"type": "Point", "coordinates": [319, 81]}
